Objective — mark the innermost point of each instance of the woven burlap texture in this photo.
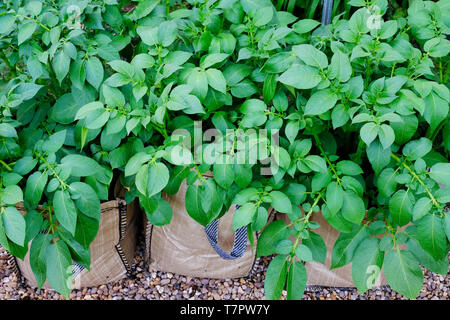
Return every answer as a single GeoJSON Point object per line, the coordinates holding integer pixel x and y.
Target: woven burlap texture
{"type": "Point", "coordinates": [182, 247]}
{"type": "Point", "coordinates": [112, 250]}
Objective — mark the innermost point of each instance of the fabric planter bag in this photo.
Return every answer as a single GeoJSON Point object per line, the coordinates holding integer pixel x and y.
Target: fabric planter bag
{"type": "Point", "coordinates": [320, 275]}
{"type": "Point", "coordinates": [112, 251]}
{"type": "Point", "coordinates": [185, 247]}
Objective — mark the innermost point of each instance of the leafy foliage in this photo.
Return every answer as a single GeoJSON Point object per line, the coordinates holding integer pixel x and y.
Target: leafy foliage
{"type": "Point", "coordinates": [93, 91]}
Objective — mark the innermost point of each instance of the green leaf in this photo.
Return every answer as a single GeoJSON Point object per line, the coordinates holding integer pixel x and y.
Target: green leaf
{"type": "Point", "coordinates": [242, 175]}
{"type": "Point", "coordinates": [253, 105]}
{"type": "Point", "coordinates": [263, 16]}
{"type": "Point", "coordinates": [38, 261]}
{"type": "Point", "coordinates": [65, 210]}
{"type": "Point", "coordinates": [271, 236]}
{"type": "Point", "coordinates": [386, 135]}
{"type": "Point", "coordinates": [335, 197]}
{"type": "Point", "coordinates": [216, 80]}
{"type": "Point", "coordinates": [34, 222]}
{"type": "Point", "coordinates": [436, 110]}
{"type": "Point", "coordinates": [316, 163]}
{"type": "Point", "coordinates": [3, 238]}
{"type": "Point", "coordinates": [136, 162]}
{"type": "Point", "coordinates": [320, 102]}
{"type": "Point", "coordinates": [431, 236]}
{"type": "Point", "coordinates": [311, 56]}
{"type": "Point", "coordinates": [11, 195]}
{"type": "Point", "coordinates": [6, 22]}
{"type": "Point", "coordinates": [281, 202]}
{"type": "Point", "coordinates": [25, 32]}
{"type": "Point", "coordinates": [300, 77]}
{"type": "Point", "coordinates": [349, 168]}
{"type": "Point", "coordinates": [143, 61]}
{"type": "Point", "coordinates": [284, 247]}
{"type": "Point", "coordinates": [35, 187]}
{"type": "Point", "coordinates": [118, 80]}
{"type": "Point", "coordinates": [24, 165]}
{"type": "Point", "coordinates": [87, 109]}
{"type": "Point", "coordinates": [403, 273]}
{"type": "Point", "coordinates": [340, 67]}
{"type": "Point", "coordinates": [305, 25]}
{"type": "Point", "coordinates": [447, 225]}
{"type": "Point", "coordinates": [94, 72]}
{"type": "Point", "coordinates": [244, 196]}
{"type": "Point", "coordinates": [388, 29]}
{"type": "Point", "coordinates": [346, 245]}
{"type": "Point", "coordinates": [14, 225]}
{"type": "Point", "coordinates": [167, 32]}
{"type": "Point", "coordinates": [269, 87]}
{"type": "Point", "coordinates": [203, 202]}
{"type": "Point", "coordinates": [277, 63]}
{"type": "Point", "coordinates": [97, 119]}
{"type": "Point", "coordinates": [386, 182]}
{"type": "Point", "coordinates": [317, 246]}
{"type": "Point", "coordinates": [275, 277]}
{"type": "Point", "coordinates": [86, 200]}
{"type": "Point", "coordinates": [369, 132]}
{"type": "Point", "coordinates": [123, 67]}
{"type": "Point", "coordinates": [158, 177]}
{"type": "Point", "coordinates": [162, 213]}
{"type": "Point", "coordinates": [378, 156]}
{"type": "Point", "coordinates": [198, 80]}
{"type": "Point", "coordinates": [303, 253]}
{"type": "Point", "coordinates": [244, 215]}
{"type": "Point", "coordinates": [440, 266]}
{"type": "Point", "coordinates": [86, 230]}
{"type": "Point", "coordinates": [291, 130]}
{"type": "Point", "coordinates": [235, 73]}
{"type": "Point", "coordinates": [81, 166]}
{"type": "Point", "coordinates": [212, 59]}
{"type": "Point", "coordinates": [417, 148]}
{"type": "Point", "coordinates": [353, 208]}
{"type": "Point", "coordinates": [421, 208]}
{"type": "Point", "coordinates": [440, 172]}
{"type": "Point", "coordinates": [59, 267]}
{"type": "Point", "coordinates": [400, 208]}
{"type": "Point", "coordinates": [7, 130]}
{"type": "Point", "coordinates": [148, 34]}
{"type": "Point", "coordinates": [223, 174]}
{"type": "Point", "coordinates": [366, 264]}
{"type": "Point", "coordinates": [61, 63]}
{"type": "Point", "coordinates": [55, 142]}
{"type": "Point", "coordinates": [296, 281]}
{"type": "Point", "coordinates": [65, 109]}
{"type": "Point", "coordinates": [26, 91]}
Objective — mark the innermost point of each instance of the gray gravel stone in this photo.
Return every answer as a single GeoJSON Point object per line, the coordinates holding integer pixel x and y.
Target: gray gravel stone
{"type": "Point", "coordinates": [155, 285]}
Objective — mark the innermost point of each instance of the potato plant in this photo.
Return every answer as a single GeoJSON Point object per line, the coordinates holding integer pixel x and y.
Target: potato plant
{"type": "Point", "coordinates": [94, 90]}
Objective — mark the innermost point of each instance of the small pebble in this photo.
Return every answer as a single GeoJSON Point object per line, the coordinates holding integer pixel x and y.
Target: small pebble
{"type": "Point", "coordinates": [156, 285]}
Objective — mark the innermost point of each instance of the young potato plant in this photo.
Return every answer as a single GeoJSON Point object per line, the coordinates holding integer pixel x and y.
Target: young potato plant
{"type": "Point", "coordinates": [251, 107]}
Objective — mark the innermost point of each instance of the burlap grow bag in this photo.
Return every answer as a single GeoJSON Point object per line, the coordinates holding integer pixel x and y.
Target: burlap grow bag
{"type": "Point", "coordinates": [112, 251]}
{"type": "Point", "coordinates": [320, 275]}
{"type": "Point", "coordinates": [182, 247]}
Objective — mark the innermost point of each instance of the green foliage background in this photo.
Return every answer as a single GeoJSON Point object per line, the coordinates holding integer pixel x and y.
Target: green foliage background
{"type": "Point", "coordinates": [92, 91]}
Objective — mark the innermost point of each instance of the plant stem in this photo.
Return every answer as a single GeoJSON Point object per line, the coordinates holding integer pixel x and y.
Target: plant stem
{"type": "Point", "coordinates": [6, 165]}
{"type": "Point", "coordinates": [63, 184]}
{"type": "Point", "coordinates": [50, 220]}
{"type": "Point", "coordinates": [319, 145]}
{"type": "Point", "coordinates": [430, 195]}
{"type": "Point", "coordinates": [199, 174]}
{"type": "Point", "coordinates": [306, 220]}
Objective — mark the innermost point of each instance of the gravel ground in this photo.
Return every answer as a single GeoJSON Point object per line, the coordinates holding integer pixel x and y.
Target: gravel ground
{"type": "Point", "coordinates": [154, 285]}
